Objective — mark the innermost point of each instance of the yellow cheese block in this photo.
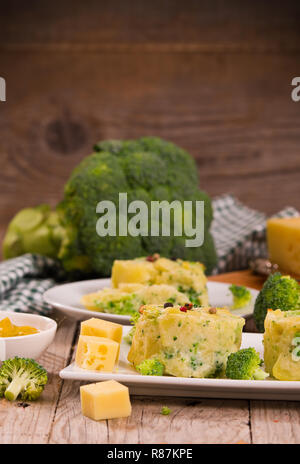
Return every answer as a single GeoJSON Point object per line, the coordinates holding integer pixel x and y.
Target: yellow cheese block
{"type": "Point", "coordinates": [100, 328]}
{"type": "Point", "coordinates": [105, 400]}
{"type": "Point", "coordinates": [96, 353]}
{"type": "Point", "coordinates": [283, 236]}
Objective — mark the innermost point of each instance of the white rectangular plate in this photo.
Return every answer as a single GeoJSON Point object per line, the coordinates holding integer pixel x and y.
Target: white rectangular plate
{"type": "Point", "coordinates": [181, 386]}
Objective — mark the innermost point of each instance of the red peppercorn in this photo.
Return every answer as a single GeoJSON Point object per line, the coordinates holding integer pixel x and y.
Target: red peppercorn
{"type": "Point", "coordinates": [153, 258]}
{"type": "Point", "coordinates": [188, 305]}
{"type": "Point", "coordinates": [183, 309]}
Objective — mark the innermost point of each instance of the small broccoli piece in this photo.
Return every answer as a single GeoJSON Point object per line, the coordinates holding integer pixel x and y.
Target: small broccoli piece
{"type": "Point", "coordinates": [245, 365]}
{"type": "Point", "coordinates": [241, 296]}
{"type": "Point", "coordinates": [151, 366]}
{"type": "Point", "coordinates": [278, 292]}
{"type": "Point", "coordinates": [22, 378]}
{"type": "Point", "coordinates": [165, 411]}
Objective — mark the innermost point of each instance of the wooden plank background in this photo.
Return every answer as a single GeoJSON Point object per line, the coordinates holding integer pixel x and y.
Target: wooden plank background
{"type": "Point", "coordinates": [213, 76]}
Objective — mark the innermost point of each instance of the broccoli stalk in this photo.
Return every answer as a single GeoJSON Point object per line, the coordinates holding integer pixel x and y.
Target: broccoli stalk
{"type": "Point", "coordinates": [241, 296]}
{"type": "Point", "coordinates": [34, 230]}
{"type": "Point", "coordinates": [22, 378]}
{"type": "Point", "coordinates": [245, 365]}
{"type": "Point", "coordinates": [151, 366]}
{"type": "Point", "coordinates": [278, 292]}
{"type": "Point", "coordinates": [147, 169]}
{"type": "Point", "coordinates": [40, 230]}
{"type": "Point", "coordinates": [259, 374]}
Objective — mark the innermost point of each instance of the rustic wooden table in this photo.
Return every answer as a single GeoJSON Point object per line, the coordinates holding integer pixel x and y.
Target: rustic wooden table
{"type": "Point", "coordinates": [57, 418]}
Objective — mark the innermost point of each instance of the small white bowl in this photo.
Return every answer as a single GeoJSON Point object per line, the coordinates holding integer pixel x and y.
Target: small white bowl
{"type": "Point", "coordinates": [27, 346]}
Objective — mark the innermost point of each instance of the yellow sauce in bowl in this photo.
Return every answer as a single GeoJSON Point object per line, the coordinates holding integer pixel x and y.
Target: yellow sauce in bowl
{"type": "Point", "coordinates": [8, 329]}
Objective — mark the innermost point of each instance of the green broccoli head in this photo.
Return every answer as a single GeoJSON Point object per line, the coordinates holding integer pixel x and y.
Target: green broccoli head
{"type": "Point", "coordinates": [22, 378]}
{"type": "Point", "coordinates": [241, 296]}
{"type": "Point", "coordinates": [151, 366]}
{"type": "Point", "coordinates": [278, 292]}
{"type": "Point", "coordinates": [245, 365]}
{"type": "Point", "coordinates": [146, 169]}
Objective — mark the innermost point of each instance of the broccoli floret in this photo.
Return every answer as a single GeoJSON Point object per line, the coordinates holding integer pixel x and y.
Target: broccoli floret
{"type": "Point", "coordinates": [278, 292]}
{"type": "Point", "coordinates": [165, 411]}
{"type": "Point", "coordinates": [151, 366]}
{"type": "Point", "coordinates": [245, 365]}
{"type": "Point", "coordinates": [146, 169]}
{"type": "Point", "coordinates": [241, 296]}
{"type": "Point", "coordinates": [22, 378]}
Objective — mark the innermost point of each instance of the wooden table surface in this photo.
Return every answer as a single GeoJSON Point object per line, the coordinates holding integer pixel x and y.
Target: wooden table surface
{"type": "Point", "coordinates": [57, 418]}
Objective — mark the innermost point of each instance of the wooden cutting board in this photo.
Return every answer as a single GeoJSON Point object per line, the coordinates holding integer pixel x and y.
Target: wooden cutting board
{"type": "Point", "coordinates": [246, 278]}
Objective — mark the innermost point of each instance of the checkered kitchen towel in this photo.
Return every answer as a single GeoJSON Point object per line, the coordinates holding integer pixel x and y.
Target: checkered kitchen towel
{"type": "Point", "coordinates": [239, 234]}
{"type": "Point", "coordinates": [23, 281]}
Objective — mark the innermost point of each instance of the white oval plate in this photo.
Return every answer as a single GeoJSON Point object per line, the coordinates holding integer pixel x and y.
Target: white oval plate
{"type": "Point", "coordinates": [138, 384]}
{"type": "Point", "coordinates": [66, 298]}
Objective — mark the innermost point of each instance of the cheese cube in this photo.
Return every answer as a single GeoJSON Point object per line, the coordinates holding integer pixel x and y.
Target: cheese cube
{"type": "Point", "coordinates": [283, 236]}
{"type": "Point", "coordinates": [96, 353]}
{"type": "Point", "coordinates": [105, 400]}
{"type": "Point", "coordinates": [100, 328]}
